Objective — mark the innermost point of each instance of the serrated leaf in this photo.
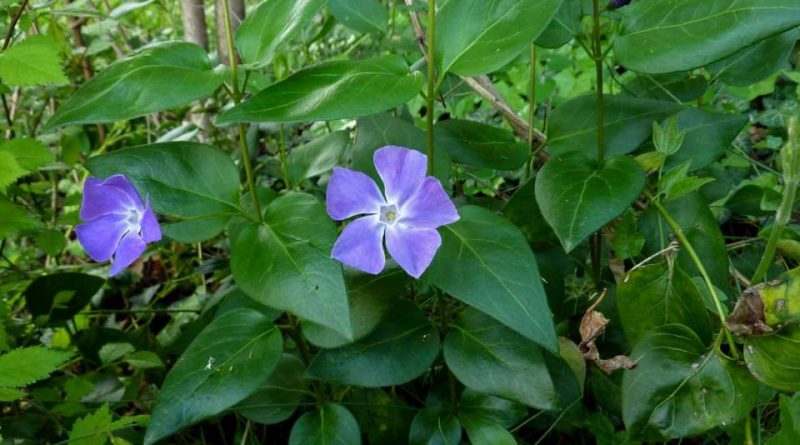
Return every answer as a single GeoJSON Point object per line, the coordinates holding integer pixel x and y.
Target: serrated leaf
{"type": "Point", "coordinates": [23, 366]}
{"type": "Point", "coordinates": [14, 218]}
{"type": "Point", "coordinates": [93, 429]}
{"type": "Point", "coordinates": [29, 153]}
{"type": "Point", "coordinates": [11, 170]}
{"type": "Point", "coordinates": [33, 61]}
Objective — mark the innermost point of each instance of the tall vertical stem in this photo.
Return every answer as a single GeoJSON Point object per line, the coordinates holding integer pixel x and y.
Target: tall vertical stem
{"type": "Point", "coordinates": [248, 169]}
{"type": "Point", "coordinates": [282, 152]}
{"type": "Point", "coordinates": [431, 41]}
{"type": "Point", "coordinates": [531, 112]}
{"type": "Point", "coordinates": [597, 239]}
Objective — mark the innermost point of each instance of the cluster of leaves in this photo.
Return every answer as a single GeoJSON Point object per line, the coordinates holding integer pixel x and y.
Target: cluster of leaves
{"type": "Point", "coordinates": [625, 176]}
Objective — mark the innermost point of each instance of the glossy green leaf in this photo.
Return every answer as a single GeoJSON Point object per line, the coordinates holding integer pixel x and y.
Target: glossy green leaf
{"type": "Point", "coordinates": [775, 359]}
{"type": "Point", "coordinates": [370, 298]}
{"type": "Point", "coordinates": [285, 262]}
{"type": "Point", "coordinates": [708, 135]}
{"type": "Point", "coordinates": [501, 411]}
{"type": "Point", "coordinates": [279, 396]}
{"type": "Point", "coordinates": [317, 157]}
{"type": "Point", "coordinates": [680, 389]}
{"type": "Point", "coordinates": [488, 357]}
{"type": "Point", "coordinates": [155, 78]}
{"type": "Point", "coordinates": [332, 424]}
{"type": "Point", "coordinates": [400, 349]}
{"type": "Point", "coordinates": [271, 25]}
{"type": "Point", "coordinates": [757, 62]}
{"type": "Point", "coordinates": [628, 121]}
{"type": "Point", "coordinates": [229, 360]}
{"type": "Point", "coordinates": [33, 61]}
{"type": "Point", "coordinates": [480, 145]}
{"type": "Point", "coordinates": [332, 90]}
{"type": "Point", "coordinates": [707, 31]}
{"type": "Point", "coordinates": [382, 415]}
{"type": "Point", "coordinates": [361, 15]}
{"type": "Point", "coordinates": [187, 180]}
{"type": "Point", "coordinates": [676, 87]}
{"type": "Point", "coordinates": [472, 263]}
{"type": "Point", "coordinates": [656, 295]}
{"type": "Point", "coordinates": [578, 195]}
{"type": "Point", "coordinates": [482, 431]}
{"type": "Point", "coordinates": [563, 27]}
{"type": "Point", "coordinates": [434, 425]}
{"type": "Point", "coordinates": [498, 31]}
{"type": "Point", "coordinates": [56, 298]}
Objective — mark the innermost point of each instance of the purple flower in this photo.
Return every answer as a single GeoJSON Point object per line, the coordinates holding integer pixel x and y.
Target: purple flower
{"type": "Point", "coordinates": [618, 3]}
{"type": "Point", "coordinates": [116, 222]}
{"type": "Point", "coordinates": [415, 205]}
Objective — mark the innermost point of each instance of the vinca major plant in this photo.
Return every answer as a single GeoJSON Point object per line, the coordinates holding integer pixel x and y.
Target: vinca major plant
{"type": "Point", "coordinates": [399, 222]}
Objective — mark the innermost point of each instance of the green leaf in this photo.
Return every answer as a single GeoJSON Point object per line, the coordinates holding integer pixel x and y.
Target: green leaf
{"type": "Point", "coordinates": [399, 350]}
{"type": "Point", "coordinates": [29, 153]}
{"type": "Point", "coordinates": [488, 357]}
{"type": "Point", "coordinates": [578, 196]}
{"type": "Point", "coordinates": [11, 170]}
{"type": "Point", "coordinates": [317, 157]}
{"type": "Point", "coordinates": [10, 394]}
{"type": "Point", "coordinates": [285, 262]}
{"type": "Point", "coordinates": [680, 389]}
{"type": "Point", "coordinates": [229, 360]}
{"type": "Point", "coordinates": [481, 145]}
{"type": "Point", "coordinates": [186, 180]}
{"type": "Point", "coordinates": [435, 426]}
{"type": "Point", "coordinates": [51, 241]}
{"type": "Point", "coordinates": [564, 26]}
{"type": "Point", "coordinates": [472, 263]}
{"type": "Point", "coordinates": [498, 31]}
{"type": "Point", "coordinates": [677, 183]}
{"type": "Point", "coordinates": [361, 15]}
{"type": "Point", "coordinates": [627, 240]}
{"type": "Point", "coordinates": [667, 87]}
{"type": "Point", "coordinates": [370, 298]}
{"type": "Point", "coordinates": [94, 429]}
{"type": "Point", "coordinates": [23, 366]}
{"type": "Point", "coordinates": [279, 396]}
{"type": "Point", "coordinates": [775, 359]}
{"type": "Point", "coordinates": [706, 31]}
{"type": "Point", "coordinates": [14, 218]}
{"type": "Point", "coordinates": [756, 62]}
{"type": "Point", "coordinates": [113, 351]}
{"type": "Point", "coordinates": [332, 90]}
{"type": "Point", "coordinates": [332, 425]}
{"type": "Point", "coordinates": [628, 121]}
{"type": "Point", "coordinates": [482, 431]}
{"type": "Point", "coordinates": [789, 433]}
{"type": "Point", "coordinates": [33, 61]}
{"type": "Point", "coordinates": [155, 78]}
{"type": "Point", "coordinates": [144, 360]}
{"type": "Point", "coordinates": [272, 25]}
{"type": "Point", "coordinates": [501, 411]}
{"type": "Point", "coordinates": [708, 135]}
{"type": "Point", "coordinates": [384, 417]}
{"type": "Point", "coordinates": [524, 212]}
{"type": "Point", "coordinates": [54, 299]}
{"type": "Point", "coordinates": [656, 295]}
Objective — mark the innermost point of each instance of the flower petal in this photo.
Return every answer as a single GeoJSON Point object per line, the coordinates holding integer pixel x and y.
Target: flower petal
{"type": "Point", "coordinates": [429, 207]}
{"type": "Point", "coordinates": [402, 170]}
{"type": "Point", "coordinates": [130, 248]}
{"type": "Point", "coordinates": [361, 245]}
{"type": "Point", "coordinates": [104, 197]}
{"type": "Point", "coordinates": [412, 248]}
{"type": "Point", "coordinates": [151, 231]}
{"type": "Point", "coordinates": [100, 236]}
{"type": "Point", "coordinates": [352, 193]}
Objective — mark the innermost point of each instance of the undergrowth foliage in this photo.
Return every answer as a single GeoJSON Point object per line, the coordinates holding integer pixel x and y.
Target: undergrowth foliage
{"type": "Point", "coordinates": [399, 221]}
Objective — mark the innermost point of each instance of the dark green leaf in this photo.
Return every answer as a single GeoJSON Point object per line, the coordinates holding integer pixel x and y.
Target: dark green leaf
{"type": "Point", "coordinates": [14, 218]}
{"type": "Point", "coordinates": [228, 361]}
{"type": "Point", "coordinates": [775, 359]}
{"type": "Point", "coordinates": [498, 31]}
{"type": "Point", "coordinates": [382, 416]}
{"type": "Point", "coordinates": [333, 90]}
{"type": "Point", "coordinates": [435, 426]}
{"type": "Point", "coordinates": [155, 78]}
{"type": "Point", "coordinates": [708, 135]}
{"type": "Point", "coordinates": [565, 25]}
{"type": "Point", "coordinates": [678, 87]}
{"type": "Point", "coordinates": [789, 433]}
{"type": "Point", "coordinates": [187, 180]}
{"type": "Point", "coordinates": [331, 425]}
{"type": "Point", "coordinates": [361, 15]}
{"type": "Point", "coordinates": [482, 431]}
{"type": "Point", "coordinates": [56, 298]}
{"type": "Point", "coordinates": [504, 412]}
{"type": "Point", "coordinates": [523, 211]}
{"type": "Point", "coordinates": [578, 195]}
{"type": "Point", "coordinates": [757, 62]}
{"type": "Point", "coordinates": [481, 145]}
{"type": "Point", "coordinates": [317, 157]}
{"type": "Point", "coordinates": [285, 262]}
{"type": "Point", "coordinates": [272, 24]}
{"type": "Point", "coordinates": [279, 396]}
{"type": "Point", "coordinates": [488, 357]}
{"type": "Point", "coordinates": [473, 262]}
{"type": "Point", "coordinates": [679, 35]}
{"type": "Point", "coordinates": [400, 349]}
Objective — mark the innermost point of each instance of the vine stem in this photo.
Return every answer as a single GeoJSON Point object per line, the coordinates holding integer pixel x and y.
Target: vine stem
{"type": "Point", "coordinates": [431, 95]}
{"type": "Point", "coordinates": [676, 228]}
{"type": "Point", "coordinates": [791, 175]}
{"type": "Point", "coordinates": [531, 113]}
{"type": "Point", "coordinates": [236, 95]}
{"type": "Point", "coordinates": [597, 238]}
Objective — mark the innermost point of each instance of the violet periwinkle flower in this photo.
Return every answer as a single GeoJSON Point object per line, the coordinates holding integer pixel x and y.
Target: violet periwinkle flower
{"type": "Point", "coordinates": [414, 206]}
{"type": "Point", "coordinates": [116, 222]}
{"type": "Point", "coordinates": [618, 3]}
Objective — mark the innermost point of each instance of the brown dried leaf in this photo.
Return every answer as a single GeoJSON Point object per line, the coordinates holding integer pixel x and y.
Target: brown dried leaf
{"type": "Point", "coordinates": [748, 316]}
{"type": "Point", "coordinates": [593, 325]}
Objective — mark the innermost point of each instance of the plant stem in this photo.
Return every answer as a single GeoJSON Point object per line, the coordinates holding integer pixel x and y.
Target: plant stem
{"type": "Point", "coordinates": [676, 228]}
{"type": "Point", "coordinates": [597, 239]}
{"type": "Point", "coordinates": [248, 169]}
{"type": "Point", "coordinates": [791, 176]}
{"type": "Point", "coordinates": [431, 42]}
{"type": "Point", "coordinates": [282, 151]}
{"type": "Point", "coordinates": [531, 113]}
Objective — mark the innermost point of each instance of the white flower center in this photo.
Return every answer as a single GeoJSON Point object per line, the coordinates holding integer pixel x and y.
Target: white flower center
{"type": "Point", "coordinates": [389, 214]}
{"type": "Point", "coordinates": [134, 218]}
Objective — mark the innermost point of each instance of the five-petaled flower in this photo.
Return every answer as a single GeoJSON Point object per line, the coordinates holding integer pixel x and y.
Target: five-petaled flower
{"type": "Point", "coordinates": [415, 205]}
{"type": "Point", "coordinates": [116, 222]}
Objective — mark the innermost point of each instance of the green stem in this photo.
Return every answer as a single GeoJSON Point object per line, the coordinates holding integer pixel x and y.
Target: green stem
{"type": "Point", "coordinates": [284, 164]}
{"type": "Point", "coordinates": [531, 113]}
{"type": "Point", "coordinates": [236, 94]}
{"type": "Point", "coordinates": [676, 228]}
{"type": "Point", "coordinates": [791, 167]}
{"type": "Point", "coordinates": [431, 41]}
{"type": "Point", "coordinates": [597, 53]}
